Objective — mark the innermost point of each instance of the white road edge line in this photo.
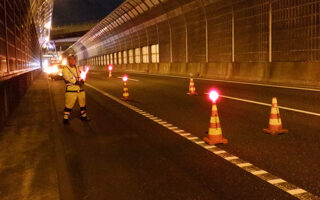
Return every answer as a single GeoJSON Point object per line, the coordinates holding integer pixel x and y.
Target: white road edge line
{"type": "Point", "coordinates": [294, 192]}
{"type": "Point", "coordinates": [130, 79]}
{"type": "Point", "coordinates": [267, 104]}
{"type": "Point", "coordinates": [226, 81]}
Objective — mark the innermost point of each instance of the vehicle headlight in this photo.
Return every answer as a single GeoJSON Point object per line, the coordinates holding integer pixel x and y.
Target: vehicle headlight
{"type": "Point", "coordinates": [54, 69]}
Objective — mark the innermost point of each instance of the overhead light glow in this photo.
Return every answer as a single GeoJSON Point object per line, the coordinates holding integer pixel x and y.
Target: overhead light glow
{"type": "Point", "coordinates": [48, 25]}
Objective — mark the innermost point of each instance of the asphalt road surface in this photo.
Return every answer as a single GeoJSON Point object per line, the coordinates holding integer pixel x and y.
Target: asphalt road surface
{"type": "Point", "coordinates": [128, 154]}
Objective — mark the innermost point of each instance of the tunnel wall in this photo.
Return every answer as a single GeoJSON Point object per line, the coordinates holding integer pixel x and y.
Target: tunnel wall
{"type": "Point", "coordinates": [19, 53]}
{"type": "Point", "coordinates": [274, 41]}
{"type": "Point", "coordinates": [12, 88]}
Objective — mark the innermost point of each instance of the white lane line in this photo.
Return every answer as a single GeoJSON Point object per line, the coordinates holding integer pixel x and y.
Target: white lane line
{"type": "Point", "coordinates": [210, 147]}
{"type": "Point", "coordinates": [289, 188]}
{"type": "Point", "coordinates": [259, 172]}
{"type": "Point", "coordinates": [185, 134]}
{"type": "Point", "coordinates": [238, 82]}
{"type": "Point", "coordinates": [199, 142]}
{"type": "Point", "coordinates": [244, 164]}
{"type": "Point", "coordinates": [130, 79]}
{"type": "Point", "coordinates": [276, 181]}
{"type": "Point", "coordinates": [219, 152]}
{"type": "Point", "coordinates": [192, 138]}
{"type": "Point", "coordinates": [296, 191]}
{"type": "Point", "coordinates": [267, 104]}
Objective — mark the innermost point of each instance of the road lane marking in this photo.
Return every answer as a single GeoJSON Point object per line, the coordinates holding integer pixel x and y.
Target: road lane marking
{"type": "Point", "coordinates": [296, 191]}
{"type": "Point", "coordinates": [259, 172]}
{"type": "Point", "coordinates": [288, 187]}
{"type": "Point", "coordinates": [269, 105]}
{"type": "Point", "coordinates": [192, 138]}
{"type": "Point", "coordinates": [237, 82]}
{"type": "Point", "coordinates": [210, 147]}
{"type": "Point", "coordinates": [244, 164]}
{"type": "Point", "coordinates": [130, 79]}
{"type": "Point", "coordinates": [219, 152]}
{"type": "Point", "coordinates": [231, 158]}
{"type": "Point", "coordinates": [276, 181]}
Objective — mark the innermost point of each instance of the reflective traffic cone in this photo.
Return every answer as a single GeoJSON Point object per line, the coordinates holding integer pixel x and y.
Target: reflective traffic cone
{"type": "Point", "coordinates": [192, 89]}
{"type": "Point", "coordinates": [125, 95]}
{"type": "Point", "coordinates": [215, 132]}
{"type": "Point", "coordinates": [275, 124]}
{"type": "Point", "coordinates": [110, 74]}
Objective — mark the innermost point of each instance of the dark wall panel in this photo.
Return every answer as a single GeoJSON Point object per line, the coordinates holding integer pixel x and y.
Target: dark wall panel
{"type": "Point", "coordinates": [296, 30]}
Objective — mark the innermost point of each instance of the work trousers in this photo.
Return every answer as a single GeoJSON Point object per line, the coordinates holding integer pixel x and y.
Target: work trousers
{"type": "Point", "coordinates": [71, 98]}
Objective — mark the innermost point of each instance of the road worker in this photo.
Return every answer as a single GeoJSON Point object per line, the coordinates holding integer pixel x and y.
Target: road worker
{"type": "Point", "coordinates": [74, 90]}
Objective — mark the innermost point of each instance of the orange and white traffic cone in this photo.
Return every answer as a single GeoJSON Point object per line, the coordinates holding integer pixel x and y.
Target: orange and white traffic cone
{"type": "Point", "coordinates": [192, 89]}
{"type": "Point", "coordinates": [275, 124]}
{"type": "Point", "coordinates": [215, 132]}
{"type": "Point", "coordinates": [125, 95]}
{"type": "Point", "coordinates": [110, 74]}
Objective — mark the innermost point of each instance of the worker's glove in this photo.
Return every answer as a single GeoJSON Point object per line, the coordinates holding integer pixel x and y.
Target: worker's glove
{"type": "Point", "coordinates": [77, 83]}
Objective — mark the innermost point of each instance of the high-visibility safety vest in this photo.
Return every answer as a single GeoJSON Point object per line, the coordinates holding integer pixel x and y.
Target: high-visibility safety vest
{"type": "Point", "coordinates": [71, 75]}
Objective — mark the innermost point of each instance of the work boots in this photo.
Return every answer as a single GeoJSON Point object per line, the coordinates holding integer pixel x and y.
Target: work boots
{"type": "Point", "coordinates": [83, 114]}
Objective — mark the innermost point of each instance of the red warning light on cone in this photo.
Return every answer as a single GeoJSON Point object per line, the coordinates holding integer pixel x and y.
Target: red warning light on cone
{"type": "Point", "coordinates": [213, 96]}
{"type": "Point", "coordinates": [110, 67]}
{"type": "Point", "coordinates": [125, 78]}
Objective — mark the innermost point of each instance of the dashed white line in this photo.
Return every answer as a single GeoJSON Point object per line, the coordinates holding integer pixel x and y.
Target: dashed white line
{"type": "Point", "coordinates": [210, 147]}
{"type": "Point", "coordinates": [192, 138]}
{"type": "Point", "coordinates": [231, 158]}
{"type": "Point", "coordinates": [259, 172]}
{"type": "Point", "coordinates": [244, 164]}
{"type": "Point", "coordinates": [296, 191]}
{"type": "Point", "coordinates": [219, 152]}
{"type": "Point", "coordinates": [173, 128]}
{"type": "Point", "coordinates": [276, 181]}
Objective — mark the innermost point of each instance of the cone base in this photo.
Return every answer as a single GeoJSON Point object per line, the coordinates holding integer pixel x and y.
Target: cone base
{"type": "Point", "coordinates": [189, 93]}
{"type": "Point", "coordinates": [275, 132]}
{"type": "Point", "coordinates": [215, 139]}
{"type": "Point", "coordinates": [124, 99]}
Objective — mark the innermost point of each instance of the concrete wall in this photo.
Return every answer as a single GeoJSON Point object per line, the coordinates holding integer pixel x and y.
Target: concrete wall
{"type": "Point", "coordinates": [11, 91]}
{"type": "Point", "coordinates": [248, 40]}
{"type": "Point", "coordinates": [284, 73]}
